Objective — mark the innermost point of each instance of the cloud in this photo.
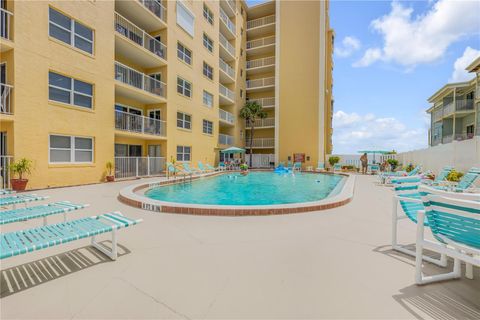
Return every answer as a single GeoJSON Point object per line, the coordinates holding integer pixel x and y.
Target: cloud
{"type": "Point", "coordinates": [459, 73]}
{"type": "Point", "coordinates": [410, 40]}
{"type": "Point", "coordinates": [349, 45]}
{"type": "Point", "coordinates": [353, 132]}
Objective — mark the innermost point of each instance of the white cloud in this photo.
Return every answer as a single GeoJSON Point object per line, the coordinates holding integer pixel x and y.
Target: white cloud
{"type": "Point", "coordinates": [411, 40]}
{"type": "Point", "coordinates": [459, 73]}
{"type": "Point", "coordinates": [349, 45]}
{"type": "Point", "coordinates": [353, 132]}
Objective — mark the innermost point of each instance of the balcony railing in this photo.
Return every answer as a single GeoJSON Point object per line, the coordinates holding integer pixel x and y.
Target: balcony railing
{"type": "Point", "coordinates": [135, 167]}
{"type": "Point", "coordinates": [464, 105]}
{"type": "Point", "coordinates": [437, 115]}
{"type": "Point", "coordinates": [227, 45]}
{"type": "Point", "coordinates": [140, 37]}
{"type": "Point", "coordinates": [447, 138]}
{"type": "Point", "coordinates": [156, 8]}
{"type": "Point", "coordinates": [232, 5]}
{"type": "Point", "coordinates": [5, 25]}
{"type": "Point", "coordinates": [5, 162]}
{"type": "Point", "coordinates": [448, 109]}
{"type": "Point", "coordinates": [263, 62]}
{"type": "Point", "coordinates": [260, 42]}
{"type": "Point", "coordinates": [259, 83]}
{"type": "Point", "coordinates": [226, 116]}
{"type": "Point", "coordinates": [259, 123]}
{"type": "Point", "coordinates": [225, 67]}
{"type": "Point", "coordinates": [225, 139]}
{"type": "Point", "coordinates": [6, 98]}
{"type": "Point", "coordinates": [464, 136]}
{"type": "Point", "coordinates": [261, 142]}
{"type": "Point", "coordinates": [230, 25]}
{"type": "Point", "coordinates": [264, 102]}
{"type": "Point", "coordinates": [224, 91]}
{"type": "Point", "coordinates": [136, 123]}
{"type": "Point", "coordinates": [260, 22]}
{"type": "Point", "coordinates": [139, 80]}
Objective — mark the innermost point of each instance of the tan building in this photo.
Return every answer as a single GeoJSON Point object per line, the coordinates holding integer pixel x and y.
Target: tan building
{"type": "Point", "coordinates": [143, 82]}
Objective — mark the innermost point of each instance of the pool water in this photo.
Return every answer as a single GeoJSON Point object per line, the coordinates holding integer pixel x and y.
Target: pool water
{"type": "Point", "coordinates": [257, 188]}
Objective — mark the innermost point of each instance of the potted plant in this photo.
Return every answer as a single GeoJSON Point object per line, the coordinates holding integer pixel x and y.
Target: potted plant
{"type": "Point", "coordinates": [20, 168]}
{"type": "Point", "coordinates": [243, 169]}
{"type": "Point", "coordinates": [393, 163]}
{"type": "Point", "coordinates": [110, 177]}
{"type": "Point", "coordinates": [333, 160]}
{"type": "Point", "coordinates": [454, 176]}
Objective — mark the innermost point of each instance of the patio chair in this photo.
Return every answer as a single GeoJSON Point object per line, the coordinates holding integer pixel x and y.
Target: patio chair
{"type": "Point", "coordinates": [19, 199]}
{"type": "Point", "coordinates": [337, 167]}
{"type": "Point", "coordinates": [24, 241]}
{"type": "Point", "coordinates": [455, 224]}
{"type": "Point", "coordinates": [211, 168]}
{"type": "Point", "coordinates": [297, 166]}
{"type": "Point", "coordinates": [320, 166]}
{"type": "Point", "coordinates": [42, 211]}
{"type": "Point", "coordinates": [387, 177]}
{"type": "Point", "coordinates": [202, 168]}
{"type": "Point", "coordinates": [373, 168]}
{"type": "Point", "coordinates": [190, 170]}
{"type": "Point", "coordinates": [5, 192]}
{"type": "Point", "coordinates": [466, 182]}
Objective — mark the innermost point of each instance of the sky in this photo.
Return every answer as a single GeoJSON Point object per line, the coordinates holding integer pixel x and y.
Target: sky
{"type": "Point", "coordinates": [390, 57]}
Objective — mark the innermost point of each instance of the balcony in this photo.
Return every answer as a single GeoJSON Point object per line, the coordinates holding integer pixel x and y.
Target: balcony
{"type": "Point", "coordinates": [150, 15]}
{"type": "Point", "coordinates": [137, 45]}
{"type": "Point", "coordinates": [227, 74]}
{"type": "Point", "coordinates": [225, 139]}
{"type": "Point", "coordinates": [6, 99]}
{"type": "Point", "coordinates": [464, 105]}
{"type": "Point", "coordinates": [437, 114]}
{"type": "Point", "coordinates": [227, 50]}
{"type": "Point", "coordinates": [260, 84]}
{"type": "Point", "coordinates": [262, 65]}
{"type": "Point", "coordinates": [262, 123]}
{"type": "Point", "coordinates": [134, 123]}
{"type": "Point", "coordinates": [261, 143]}
{"type": "Point", "coordinates": [263, 25]}
{"type": "Point", "coordinates": [463, 136]}
{"type": "Point", "coordinates": [227, 96]}
{"type": "Point", "coordinates": [448, 109]}
{"type": "Point", "coordinates": [6, 30]}
{"type": "Point", "coordinates": [226, 117]}
{"type": "Point", "coordinates": [227, 27]}
{"type": "Point", "coordinates": [261, 46]}
{"type": "Point", "coordinates": [229, 6]}
{"type": "Point", "coordinates": [136, 85]}
{"type": "Point", "coordinates": [266, 103]}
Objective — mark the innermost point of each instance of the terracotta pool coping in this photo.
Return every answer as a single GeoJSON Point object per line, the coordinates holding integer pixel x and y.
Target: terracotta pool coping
{"type": "Point", "coordinates": [133, 196]}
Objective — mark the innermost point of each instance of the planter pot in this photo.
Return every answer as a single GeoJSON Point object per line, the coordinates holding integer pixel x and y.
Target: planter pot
{"type": "Point", "coordinates": [19, 184]}
{"type": "Point", "coordinates": [110, 178]}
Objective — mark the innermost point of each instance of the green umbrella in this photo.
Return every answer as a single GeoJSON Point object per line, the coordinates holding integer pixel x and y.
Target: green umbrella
{"type": "Point", "coordinates": [233, 150]}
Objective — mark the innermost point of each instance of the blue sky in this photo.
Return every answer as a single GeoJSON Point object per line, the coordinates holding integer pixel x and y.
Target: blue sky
{"type": "Point", "coordinates": [390, 56]}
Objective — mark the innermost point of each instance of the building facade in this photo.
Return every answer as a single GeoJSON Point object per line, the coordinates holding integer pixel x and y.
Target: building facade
{"type": "Point", "coordinates": [143, 82]}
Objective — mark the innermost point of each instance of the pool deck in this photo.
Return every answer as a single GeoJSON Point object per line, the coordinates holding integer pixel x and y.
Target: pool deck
{"type": "Point", "coordinates": [335, 263]}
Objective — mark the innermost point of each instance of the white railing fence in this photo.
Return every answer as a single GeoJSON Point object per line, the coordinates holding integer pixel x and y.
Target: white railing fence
{"type": "Point", "coordinates": [225, 67]}
{"type": "Point", "coordinates": [226, 116]}
{"type": "Point", "coordinates": [260, 42]}
{"type": "Point", "coordinates": [5, 162]}
{"type": "Point", "coordinates": [225, 139]}
{"type": "Point", "coordinates": [268, 61]}
{"type": "Point", "coordinates": [266, 122]}
{"type": "Point", "coordinates": [264, 102]}
{"type": "Point", "coordinates": [230, 25]}
{"type": "Point", "coordinates": [258, 83]}
{"type": "Point", "coordinates": [5, 18]}
{"type": "Point", "coordinates": [136, 123]}
{"type": "Point", "coordinates": [464, 104]}
{"type": "Point", "coordinates": [139, 80]}
{"type": "Point", "coordinates": [6, 98]}
{"type": "Point", "coordinates": [261, 160]}
{"type": "Point", "coordinates": [156, 7]}
{"type": "Point", "coordinates": [226, 92]}
{"type": "Point", "coordinates": [227, 45]}
{"type": "Point", "coordinates": [136, 167]}
{"type": "Point", "coordinates": [260, 142]}
{"type": "Point", "coordinates": [260, 22]}
{"type": "Point", "coordinates": [232, 5]}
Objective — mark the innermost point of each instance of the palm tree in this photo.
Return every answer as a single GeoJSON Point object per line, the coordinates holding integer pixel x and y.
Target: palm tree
{"type": "Point", "coordinates": [252, 111]}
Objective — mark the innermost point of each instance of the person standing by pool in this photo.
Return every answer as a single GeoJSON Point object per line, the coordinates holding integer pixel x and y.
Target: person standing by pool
{"type": "Point", "coordinates": [364, 161]}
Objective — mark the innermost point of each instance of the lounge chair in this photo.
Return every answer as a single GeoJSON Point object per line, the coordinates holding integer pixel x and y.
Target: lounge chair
{"type": "Point", "coordinates": [373, 168]}
{"type": "Point", "coordinates": [455, 224]}
{"type": "Point", "coordinates": [387, 177]}
{"type": "Point", "coordinates": [465, 183]}
{"type": "Point", "coordinates": [211, 168]}
{"type": "Point", "coordinates": [190, 170]}
{"type": "Point", "coordinates": [320, 166]}
{"type": "Point", "coordinates": [18, 199]}
{"type": "Point", "coordinates": [297, 166]}
{"type": "Point", "coordinates": [337, 167]}
{"type": "Point", "coordinates": [202, 168]}
{"type": "Point", "coordinates": [5, 192]}
{"type": "Point", "coordinates": [20, 242]}
{"type": "Point", "coordinates": [42, 211]}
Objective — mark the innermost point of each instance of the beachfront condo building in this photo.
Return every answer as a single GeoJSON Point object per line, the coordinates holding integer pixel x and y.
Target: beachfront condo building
{"type": "Point", "coordinates": [139, 83]}
{"type": "Point", "coordinates": [455, 110]}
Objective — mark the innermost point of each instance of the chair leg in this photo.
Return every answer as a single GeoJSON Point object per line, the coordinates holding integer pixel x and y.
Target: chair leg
{"type": "Point", "coordinates": [394, 222]}
{"type": "Point", "coordinates": [469, 271]}
{"type": "Point", "coordinates": [112, 254]}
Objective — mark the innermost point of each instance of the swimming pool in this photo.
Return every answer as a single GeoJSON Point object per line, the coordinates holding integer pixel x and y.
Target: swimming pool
{"type": "Point", "coordinates": [257, 188]}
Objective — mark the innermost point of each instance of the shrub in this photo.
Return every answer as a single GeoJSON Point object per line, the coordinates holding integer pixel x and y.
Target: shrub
{"type": "Point", "coordinates": [21, 167]}
{"type": "Point", "coordinates": [410, 167]}
{"type": "Point", "coordinates": [454, 176]}
{"type": "Point", "coordinates": [243, 167]}
{"type": "Point", "coordinates": [109, 167]}
{"type": "Point", "coordinates": [333, 160]}
{"type": "Point", "coordinates": [393, 162]}
{"type": "Point", "coordinates": [348, 167]}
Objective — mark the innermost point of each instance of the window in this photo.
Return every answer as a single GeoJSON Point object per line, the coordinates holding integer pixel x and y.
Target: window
{"type": "Point", "coordinates": [207, 42]}
{"type": "Point", "coordinates": [70, 31]}
{"type": "Point", "coordinates": [70, 149]}
{"type": "Point", "coordinates": [207, 127]}
{"type": "Point", "coordinates": [241, 93]}
{"type": "Point", "coordinates": [241, 72]}
{"type": "Point", "coordinates": [184, 120]}
{"type": "Point", "coordinates": [185, 19]}
{"type": "Point", "coordinates": [184, 87]}
{"type": "Point", "coordinates": [71, 91]}
{"type": "Point", "coordinates": [184, 54]}
{"type": "Point", "coordinates": [184, 153]}
{"type": "Point", "coordinates": [128, 150]}
{"type": "Point", "coordinates": [208, 14]}
{"type": "Point", "coordinates": [207, 70]}
{"type": "Point", "coordinates": [207, 99]}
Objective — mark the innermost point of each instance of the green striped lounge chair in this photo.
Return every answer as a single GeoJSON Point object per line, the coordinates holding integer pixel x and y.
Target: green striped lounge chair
{"type": "Point", "coordinates": [202, 168]}
{"type": "Point", "coordinates": [24, 241]}
{"type": "Point", "coordinates": [467, 181]}
{"type": "Point", "coordinates": [209, 167]}
{"type": "Point", "coordinates": [20, 199]}
{"type": "Point", "coordinates": [387, 177]}
{"type": "Point", "coordinates": [42, 211]}
{"type": "Point", "coordinates": [455, 225]}
{"type": "Point", "coordinates": [4, 192]}
{"type": "Point", "coordinates": [188, 169]}
{"type": "Point", "coordinates": [373, 168]}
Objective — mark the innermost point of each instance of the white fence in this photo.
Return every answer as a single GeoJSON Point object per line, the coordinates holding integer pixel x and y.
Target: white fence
{"type": "Point", "coordinates": [261, 160]}
{"type": "Point", "coordinates": [136, 123]}
{"type": "Point", "coordinates": [156, 7]}
{"type": "Point", "coordinates": [226, 116]}
{"type": "Point", "coordinates": [139, 80]}
{"type": "Point", "coordinates": [135, 167]}
{"type": "Point", "coordinates": [225, 139]}
{"type": "Point", "coordinates": [5, 172]}
{"type": "Point", "coordinates": [224, 91]}
{"type": "Point", "coordinates": [260, 42]}
{"type": "Point", "coordinates": [227, 45]}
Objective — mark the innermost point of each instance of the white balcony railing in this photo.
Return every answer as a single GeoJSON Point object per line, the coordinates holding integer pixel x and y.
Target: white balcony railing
{"type": "Point", "coordinates": [260, 42]}
{"type": "Point", "coordinates": [226, 116]}
{"type": "Point", "coordinates": [261, 142]}
{"type": "Point", "coordinates": [225, 139]}
{"type": "Point", "coordinates": [464, 105]}
{"type": "Point", "coordinates": [135, 167]}
{"type": "Point", "coordinates": [5, 24]}
{"type": "Point", "coordinates": [448, 109]}
{"type": "Point", "coordinates": [259, 123]}
{"type": "Point", "coordinates": [230, 25]}
{"type": "Point", "coordinates": [263, 62]}
{"type": "Point", "coordinates": [5, 162]}
{"type": "Point", "coordinates": [156, 7]}
{"type": "Point", "coordinates": [139, 36]}
{"type": "Point", "coordinates": [225, 67]}
{"type": "Point", "coordinates": [437, 114]}
{"type": "Point", "coordinates": [224, 91]}
{"type": "Point", "coordinates": [260, 22]}
{"type": "Point", "coordinates": [227, 45]}
{"type": "Point", "coordinates": [6, 98]}
{"type": "Point", "coordinates": [135, 123]}
{"type": "Point", "coordinates": [139, 80]}
{"type": "Point", "coordinates": [264, 102]}
{"type": "Point", "coordinates": [232, 5]}
{"type": "Point", "coordinates": [259, 83]}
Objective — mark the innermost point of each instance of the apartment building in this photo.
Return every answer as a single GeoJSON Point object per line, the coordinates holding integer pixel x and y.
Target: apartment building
{"type": "Point", "coordinates": [143, 82]}
{"type": "Point", "coordinates": [455, 110]}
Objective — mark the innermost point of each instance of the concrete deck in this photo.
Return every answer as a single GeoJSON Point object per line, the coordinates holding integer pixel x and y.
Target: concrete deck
{"type": "Point", "coordinates": [330, 264]}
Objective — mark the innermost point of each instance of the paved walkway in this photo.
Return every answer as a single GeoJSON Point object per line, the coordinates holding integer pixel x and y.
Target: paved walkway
{"type": "Point", "coordinates": [329, 264]}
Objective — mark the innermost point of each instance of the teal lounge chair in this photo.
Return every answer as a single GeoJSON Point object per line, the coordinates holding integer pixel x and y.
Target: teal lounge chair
{"type": "Point", "coordinates": [387, 177]}
{"type": "Point", "coordinates": [189, 170]}
{"type": "Point", "coordinates": [297, 166]}
{"type": "Point", "coordinates": [320, 166]}
{"type": "Point", "coordinates": [373, 168]}
{"type": "Point", "coordinates": [24, 241]}
{"type": "Point", "coordinates": [19, 199]}
{"type": "Point", "coordinates": [465, 183]}
{"type": "Point", "coordinates": [5, 192]}
{"type": "Point", "coordinates": [42, 211]}
{"type": "Point", "coordinates": [337, 167]}
{"type": "Point", "coordinates": [202, 168]}
{"type": "Point", "coordinates": [209, 167]}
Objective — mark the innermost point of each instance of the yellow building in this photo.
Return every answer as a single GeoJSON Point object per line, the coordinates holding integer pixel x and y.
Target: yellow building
{"type": "Point", "coordinates": [142, 82]}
